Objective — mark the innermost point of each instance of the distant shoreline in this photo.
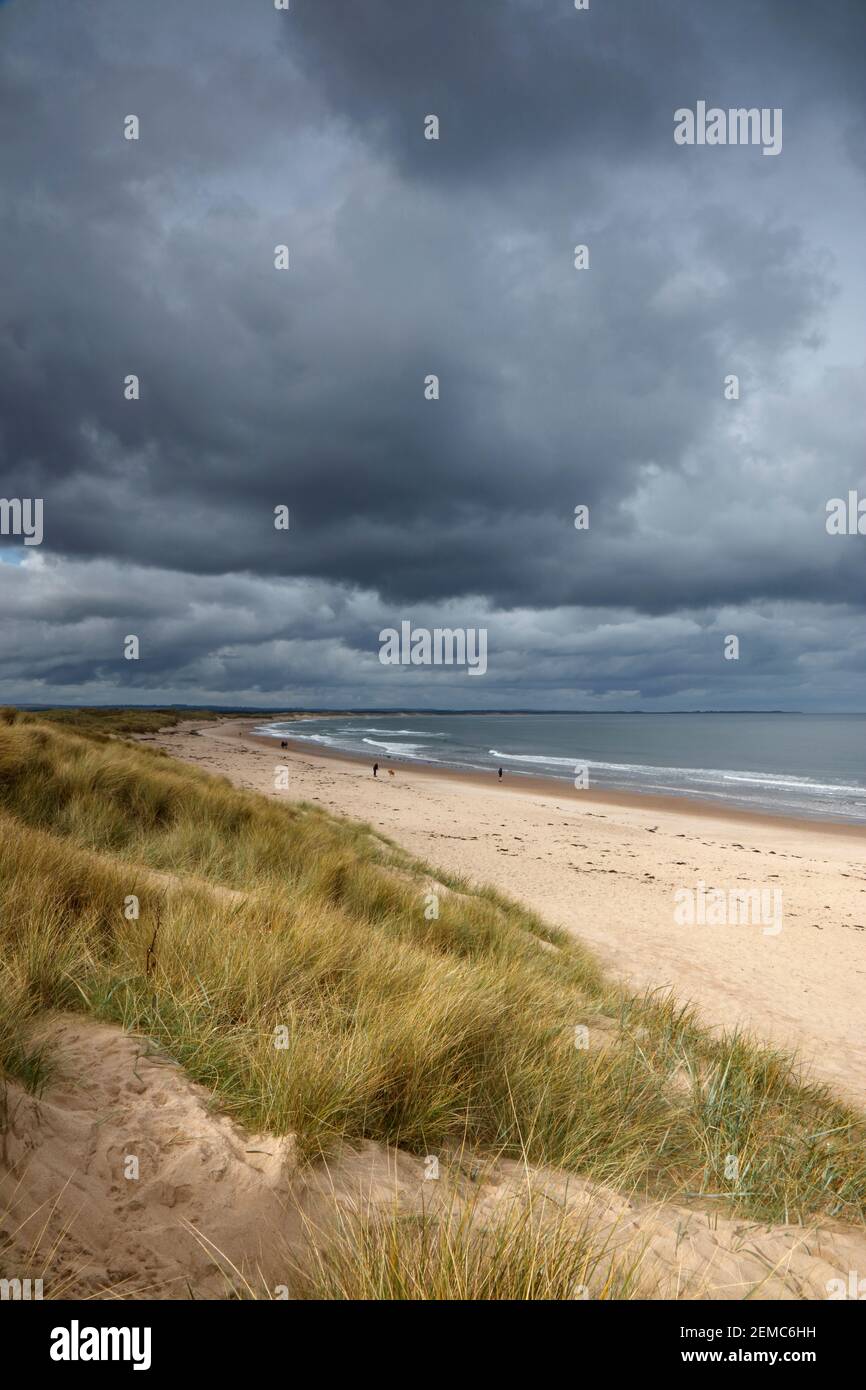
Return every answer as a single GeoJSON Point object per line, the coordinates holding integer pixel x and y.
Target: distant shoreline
{"type": "Point", "coordinates": [251, 711]}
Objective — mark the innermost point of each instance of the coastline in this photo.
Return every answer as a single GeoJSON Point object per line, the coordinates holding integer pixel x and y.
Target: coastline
{"type": "Point", "coordinates": [534, 784]}
{"type": "Point", "coordinates": [607, 871]}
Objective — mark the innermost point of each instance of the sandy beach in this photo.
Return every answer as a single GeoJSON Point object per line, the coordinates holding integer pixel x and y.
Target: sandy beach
{"type": "Point", "coordinates": [606, 868]}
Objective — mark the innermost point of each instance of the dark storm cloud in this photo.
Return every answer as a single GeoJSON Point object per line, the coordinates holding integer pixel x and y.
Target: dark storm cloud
{"type": "Point", "coordinates": [302, 642]}
{"type": "Point", "coordinates": [522, 79]}
{"type": "Point", "coordinates": [511, 82]}
{"type": "Point", "coordinates": [408, 258]}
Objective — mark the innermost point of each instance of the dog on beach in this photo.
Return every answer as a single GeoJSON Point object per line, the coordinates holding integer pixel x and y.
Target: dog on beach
{"type": "Point", "coordinates": [390, 772]}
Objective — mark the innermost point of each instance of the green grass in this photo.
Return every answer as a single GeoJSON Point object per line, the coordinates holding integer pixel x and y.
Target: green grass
{"type": "Point", "coordinates": [276, 921]}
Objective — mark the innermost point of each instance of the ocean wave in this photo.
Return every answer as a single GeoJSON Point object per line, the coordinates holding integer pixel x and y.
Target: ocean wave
{"type": "Point", "coordinates": [395, 749]}
{"type": "Point", "coordinates": [549, 760]}
{"type": "Point", "coordinates": [415, 733]}
{"type": "Point", "coordinates": [693, 775]}
{"type": "Point", "coordinates": [327, 739]}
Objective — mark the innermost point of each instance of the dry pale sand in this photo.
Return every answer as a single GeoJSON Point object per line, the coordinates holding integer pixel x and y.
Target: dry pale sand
{"type": "Point", "coordinates": [606, 869]}
{"type": "Point", "coordinates": [214, 1210]}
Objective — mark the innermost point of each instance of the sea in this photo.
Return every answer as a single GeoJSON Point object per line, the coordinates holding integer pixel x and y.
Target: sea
{"type": "Point", "coordinates": [811, 765]}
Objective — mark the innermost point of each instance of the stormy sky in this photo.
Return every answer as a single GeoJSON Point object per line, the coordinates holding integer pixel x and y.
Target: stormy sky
{"type": "Point", "coordinates": [410, 257]}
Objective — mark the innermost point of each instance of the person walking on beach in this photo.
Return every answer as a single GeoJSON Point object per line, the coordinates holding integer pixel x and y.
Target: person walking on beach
{"type": "Point", "coordinates": [375, 769]}
{"type": "Point", "coordinates": [500, 774]}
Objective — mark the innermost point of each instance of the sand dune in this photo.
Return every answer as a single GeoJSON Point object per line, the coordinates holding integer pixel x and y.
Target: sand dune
{"type": "Point", "coordinates": [215, 1210]}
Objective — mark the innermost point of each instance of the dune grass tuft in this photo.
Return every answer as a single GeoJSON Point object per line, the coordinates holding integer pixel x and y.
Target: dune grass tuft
{"type": "Point", "coordinates": [523, 1254]}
